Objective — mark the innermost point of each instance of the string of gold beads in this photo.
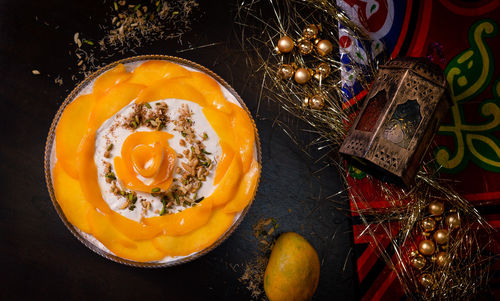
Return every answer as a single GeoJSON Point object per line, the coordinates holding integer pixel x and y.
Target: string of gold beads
{"type": "Point", "coordinates": [306, 44]}
{"type": "Point", "coordinates": [433, 248]}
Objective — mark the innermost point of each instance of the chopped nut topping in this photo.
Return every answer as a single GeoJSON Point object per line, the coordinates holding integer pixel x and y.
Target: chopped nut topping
{"type": "Point", "coordinates": [124, 205]}
{"type": "Point", "coordinates": [145, 115]}
{"type": "Point", "coordinates": [191, 171]}
{"type": "Point", "coordinates": [146, 205]}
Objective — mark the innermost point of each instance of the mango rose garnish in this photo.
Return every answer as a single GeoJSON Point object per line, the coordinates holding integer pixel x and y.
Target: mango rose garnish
{"type": "Point", "coordinates": [146, 155]}
{"type": "Point", "coordinates": [146, 163]}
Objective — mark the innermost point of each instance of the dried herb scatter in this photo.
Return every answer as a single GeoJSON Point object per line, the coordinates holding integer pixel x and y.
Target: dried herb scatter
{"type": "Point", "coordinates": [130, 25]}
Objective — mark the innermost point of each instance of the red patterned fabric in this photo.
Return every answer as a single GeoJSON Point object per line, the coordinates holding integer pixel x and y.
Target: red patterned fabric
{"type": "Point", "coordinates": [463, 38]}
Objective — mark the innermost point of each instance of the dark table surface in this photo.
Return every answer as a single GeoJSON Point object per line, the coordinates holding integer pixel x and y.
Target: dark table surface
{"type": "Point", "coordinates": [41, 259]}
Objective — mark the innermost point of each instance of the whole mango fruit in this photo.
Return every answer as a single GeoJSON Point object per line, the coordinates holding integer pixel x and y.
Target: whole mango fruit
{"type": "Point", "coordinates": [292, 273]}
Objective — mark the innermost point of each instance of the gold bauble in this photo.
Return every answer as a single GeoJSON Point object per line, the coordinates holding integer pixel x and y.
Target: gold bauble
{"type": "Point", "coordinates": [426, 280]}
{"type": "Point", "coordinates": [285, 71]}
{"type": "Point", "coordinates": [441, 236]}
{"type": "Point", "coordinates": [426, 247]}
{"type": "Point", "coordinates": [324, 47]}
{"type": "Point", "coordinates": [436, 208]}
{"type": "Point", "coordinates": [452, 220]}
{"type": "Point", "coordinates": [322, 71]}
{"type": "Point", "coordinates": [305, 47]}
{"type": "Point", "coordinates": [302, 75]}
{"type": "Point", "coordinates": [285, 44]}
{"type": "Point", "coordinates": [305, 102]}
{"type": "Point", "coordinates": [442, 258]}
{"type": "Point", "coordinates": [310, 31]}
{"type": "Point", "coordinates": [418, 262]}
{"type": "Point", "coordinates": [428, 224]}
{"type": "Point", "coordinates": [317, 102]}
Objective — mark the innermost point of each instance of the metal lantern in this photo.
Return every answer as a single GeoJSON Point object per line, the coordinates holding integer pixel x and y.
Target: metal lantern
{"type": "Point", "coordinates": [399, 118]}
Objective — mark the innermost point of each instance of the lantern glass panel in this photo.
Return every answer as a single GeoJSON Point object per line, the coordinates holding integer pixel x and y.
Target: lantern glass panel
{"type": "Point", "coordinates": [403, 124]}
{"type": "Point", "coordinates": [372, 112]}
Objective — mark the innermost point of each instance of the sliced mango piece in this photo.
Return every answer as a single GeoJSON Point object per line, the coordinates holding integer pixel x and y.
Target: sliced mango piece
{"type": "Point", "coordinates": [132, 229]}
{"type": "Point", "coordinates": [110, 78]}
{"type": "Point", "coordinates": [150, 72]}
{"type": "Point", "coordinates": [198, 239]}
{"type": "Point", "coordinates": [229, 183]}
{"type": "Point", "coordinates": [222, 125]}
{"type": "Point", "coordinates": [183, 222]}
{"type": "Point", "coordinates": [140, 251]}
{"type": "Point", "coordinates": [224, 161]}
{"type": "Point", "coordinates": [171, 88]}
{"type": "Point", "coordinates": [245, 135]}
{"type": "Point", "coordinates": [111, 102]}
{"type": "Point", "coordinates": [87, 173]}
{"type": "Point", "coordinates": [246, 189]}
{"type": "Point", "coordinates": [70, 197]}
{"type": "Point", "coordinates": [70, 130]}
{"type": "Point", "coordinates": [211, 91]}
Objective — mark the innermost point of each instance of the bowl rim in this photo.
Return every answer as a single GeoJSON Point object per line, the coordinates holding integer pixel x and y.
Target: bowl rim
{"type": "Point", "coordinates": [51, 140]}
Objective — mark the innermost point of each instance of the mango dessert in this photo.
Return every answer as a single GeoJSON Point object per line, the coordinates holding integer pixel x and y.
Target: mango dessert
{"type": "Point", "coordinates": [154, 161]}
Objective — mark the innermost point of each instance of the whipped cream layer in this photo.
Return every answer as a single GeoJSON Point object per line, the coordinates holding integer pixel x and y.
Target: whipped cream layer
{"type": "Point", "coordinates": [113, 132]}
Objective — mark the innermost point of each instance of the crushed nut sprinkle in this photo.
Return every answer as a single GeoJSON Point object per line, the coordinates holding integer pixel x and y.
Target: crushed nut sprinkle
{"type": "Point", "coordinates": [146, 205]}
{"type": "Point", "coordinates": [145, 115]}
{"type": "Point", "coordinates": [107, 153]}
{"type": "Point", "coordinates": [129, 26]}
{"type": "Point", "coordinates": [125, 205]}
{"type": "Point", "coordinates": [108, 172]}
{"type": "Point", "coordinates": [191, 172]}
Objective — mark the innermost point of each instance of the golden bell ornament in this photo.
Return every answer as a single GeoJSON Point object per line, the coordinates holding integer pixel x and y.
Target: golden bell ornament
{"type": "Point", "coordinates": [426, 280]}
{"type": "Point", "coordinates": [418, 262]}
{"type": "Point", "coordinates": [305, 47]}
{"type": "Point", "coordinates": [310, 31]}
{"type": "Point", "coordinates": [441, 236]}
{"type": "Point", "coordinates": [428, 224]}
{"type": "Point", "coordinates": [426, 247]}
{"type": "Point", "coordinates": [452, 220]}
{"type": "Point", "coordinates": [302, 75]}
{"type": "Point", "coordinates": [285, 44]}
{"type": "Point", "coordinates": [436, 208]}
{"type": "Point", "coordinates": [317, 102]}
{"type": "Point", "coordinates": [324, 47]}
{"type": "Point", "coordinates": [285, 71]}
{"type": "Point", "coordinates": [322, 71]}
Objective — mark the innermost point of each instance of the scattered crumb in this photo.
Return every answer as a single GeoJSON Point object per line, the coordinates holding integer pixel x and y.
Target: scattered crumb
{"type": "Point", "coordinates": [253, 277]}
{"type": "Point", "coordinates": [129, 26]}
{"type": "Point", "coordinates": [76, 39]}
{"type": "Point", "coordinates": [58, 80]}
{"type": "Point", "coordinates": [35, 72]}
{"type": "Point", "coordinates": [263, 230]}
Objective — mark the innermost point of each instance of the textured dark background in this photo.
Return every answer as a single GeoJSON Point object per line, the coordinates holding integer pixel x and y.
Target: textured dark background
{"type": "Point", "coordinates": [39, 257]}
